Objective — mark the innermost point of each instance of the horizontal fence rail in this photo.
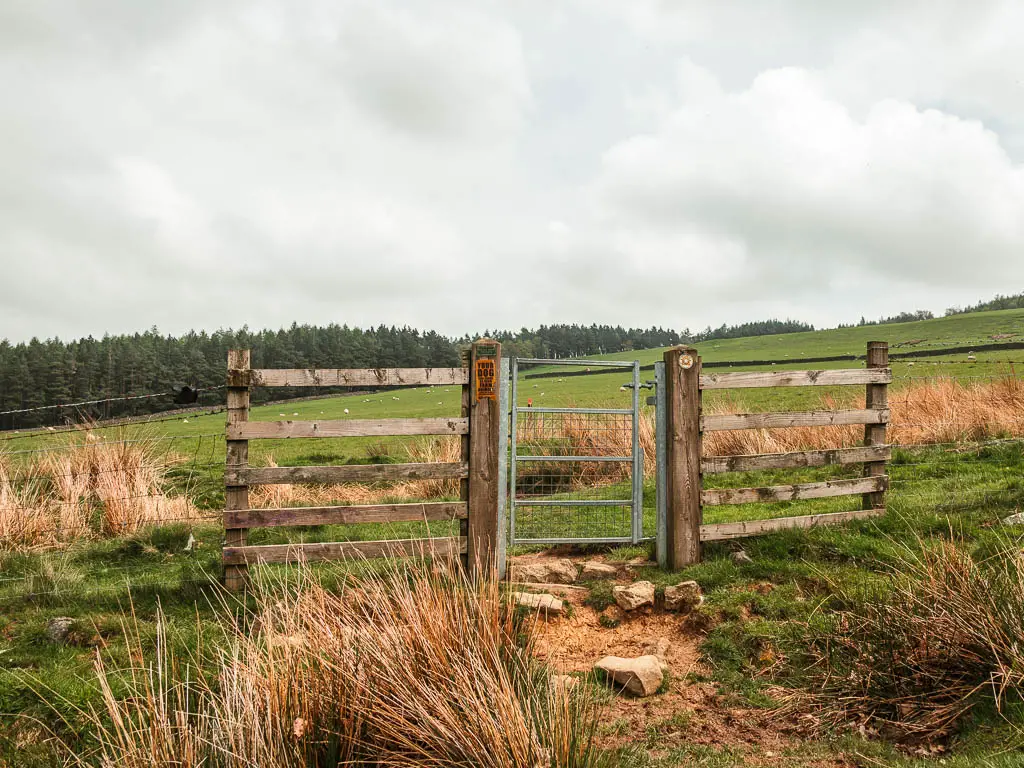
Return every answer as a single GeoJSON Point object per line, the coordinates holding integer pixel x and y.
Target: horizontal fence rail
{"type": "Point", "coordinates": [348, 473]}
{"type": "Point", "coordinates": [340, 550]}
{"type": "Point", "coordinates": [730, 421]}
{"type": "Point", "coordinates": [348, 377]}
{"type": "Point", "coordinates": [711, 465]}
{"type": "Point", "coordinates": [259, 430]}
{"type": "Point", "coordinates": [794, 492]}
{"type": "Point", "coordinates": [721, 531]}
{"type": "Point", "coordinates": [823, 378]}
{"type": "Point", "coordinates": [346, 514]}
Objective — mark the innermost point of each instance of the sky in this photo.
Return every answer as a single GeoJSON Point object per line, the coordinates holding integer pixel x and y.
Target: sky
{"type": "Point", "coordinates": [467, 165]}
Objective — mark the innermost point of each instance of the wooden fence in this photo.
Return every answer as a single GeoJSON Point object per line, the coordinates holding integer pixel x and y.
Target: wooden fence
{"type": "Point", "coordinates": [477, 425]}
{"type": "Point", "coordinates": [686, 464]}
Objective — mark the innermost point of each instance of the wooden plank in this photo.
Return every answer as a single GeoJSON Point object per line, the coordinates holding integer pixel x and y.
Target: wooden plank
{"type": "Point", "coordinates": [876, 397]}
{"type": "Point", "coordinates": [720, 531]}
{"type": "Point", "coordinates": [726, 421]}
{"type": "Point", "coordinates": [464, 455]}
{"type": "Point", "coordinates": [485, 359]}
{"type": "Point", "coordinates": [350, 473]}
{"type": "Point", "coordinates": [834, 377]}
{"type": "Point", "coordinates": [683, 449]}
{"type": "Point", "coordinates": [236, 496]}
{"type": "Point", "coordinates": [358, 377]}
{"type": "Point", "coordinates": [259, 430]}
{"type": "Point", "coordinates": [796, 492]}
{"type": "Point", "coordinates": [344, 515]}
{"type": "Point", "coordinates": [711, 465]}
{"type": "Point", "coordinates": [343, 550]}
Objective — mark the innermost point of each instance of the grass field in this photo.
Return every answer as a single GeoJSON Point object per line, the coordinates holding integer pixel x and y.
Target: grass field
{"type": "Point", "coordinates": [754, 637]}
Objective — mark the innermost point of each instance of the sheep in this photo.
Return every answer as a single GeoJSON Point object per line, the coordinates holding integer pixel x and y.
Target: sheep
{"type": "Point", "coordinates": [345, 411]}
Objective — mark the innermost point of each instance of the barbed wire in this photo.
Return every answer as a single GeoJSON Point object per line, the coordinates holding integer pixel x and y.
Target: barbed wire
{"type": "Point", "coordinates": [115, 399]}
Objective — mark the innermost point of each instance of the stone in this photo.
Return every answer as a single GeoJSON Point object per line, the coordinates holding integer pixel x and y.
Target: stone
{"type": "Point", "coordinates": [635, 595]}
{"type": "Point", "coordinates": [58, 629]}
{"type": "Point", "coordinates": [658, 648]}
{"type": "Point", "coordinates": [683, 597]}
{"type": "Point", "coordinates": [1017, 519]}
{"type": "Point", "coordinates": [642, 676]}
{"type": "Point", "coordinates": [593, 570]}
{"type": "Point", "coordinates": [545, 603]}
{"type": "Point", "coordinates": [547, 570]}
{"type": "Point", "coordinates": [741, 558]}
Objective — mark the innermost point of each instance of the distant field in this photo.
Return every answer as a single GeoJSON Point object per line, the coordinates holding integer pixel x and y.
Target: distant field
{"type": "Point", "coordinates": [199, 438]}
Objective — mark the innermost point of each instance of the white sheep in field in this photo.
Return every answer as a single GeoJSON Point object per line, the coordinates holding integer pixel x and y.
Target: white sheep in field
{"type": "Point", "coordinates": [345, 411]}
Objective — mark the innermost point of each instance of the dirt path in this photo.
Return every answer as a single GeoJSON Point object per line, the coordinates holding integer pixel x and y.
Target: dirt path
{"type": "Point", "coordinates": [692, 712]}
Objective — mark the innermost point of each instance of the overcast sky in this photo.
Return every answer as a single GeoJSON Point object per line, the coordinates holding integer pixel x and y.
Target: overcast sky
{"type": "Point", "coordinates": [462, 165]}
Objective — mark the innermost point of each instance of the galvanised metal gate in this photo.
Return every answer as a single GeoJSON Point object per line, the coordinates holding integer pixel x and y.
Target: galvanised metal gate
{"type": "Point", "coordinates": [576, 474]}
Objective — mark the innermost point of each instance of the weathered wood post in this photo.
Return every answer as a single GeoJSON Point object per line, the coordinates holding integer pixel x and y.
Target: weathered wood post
{"type": "Point", "coordinates": [683, 450]}
{"type": "Point", "coordinates": [876, 398]}
{"type": "Point", "coordinates": [236, 497]}
{"type": "Point", "coordinates": [484, 424]}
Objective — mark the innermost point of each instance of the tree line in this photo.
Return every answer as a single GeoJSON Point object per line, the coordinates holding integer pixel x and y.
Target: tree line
{"type": "Point", "coordinates": [38, 379]}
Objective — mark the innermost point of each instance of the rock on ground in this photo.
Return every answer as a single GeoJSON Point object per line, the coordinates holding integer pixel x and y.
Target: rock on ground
{"type": "Point", "coordinates": [546, 603]}
{"type": "Point", "coordinates": [658, 648]}
{"type": "Point", "coordinates": [595, 570]}
{"type": "Point", "coordinates": [635, 595]}
{"type": "Point", "coordinates": [58, 628]}
{"type": "Point", "coordinates": [683, 597]}
{"type": "Point", "coordinates": [641, 676]}
{"type": "Point", "coordinates": [741, 558]}
{"type": "Point", "coordinates": [1017, 519]}
{"type": "Point", "coordinates": [553, 571]}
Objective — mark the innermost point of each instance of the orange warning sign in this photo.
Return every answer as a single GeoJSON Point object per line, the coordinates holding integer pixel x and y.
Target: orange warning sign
{"type": "Point", "coordinates": [486, 380]}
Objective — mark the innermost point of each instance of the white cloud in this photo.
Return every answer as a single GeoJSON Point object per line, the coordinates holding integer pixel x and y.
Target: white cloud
{"type": "Point", "coordinates": [461, 165]}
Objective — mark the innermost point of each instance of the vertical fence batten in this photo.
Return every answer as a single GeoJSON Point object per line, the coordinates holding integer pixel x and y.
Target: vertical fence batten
{"type": "Point", "coordinates": [485, 357]}
{"type": "Point", "coordinates": [236, 497]}
{"type": "Point", "coordinates": [876, 398]}
{"type": "Point", "coordinates": [682, 455]}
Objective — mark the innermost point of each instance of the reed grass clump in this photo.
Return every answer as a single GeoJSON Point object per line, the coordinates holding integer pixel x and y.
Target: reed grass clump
{"type": "Point", "coordinates": [411, 666]}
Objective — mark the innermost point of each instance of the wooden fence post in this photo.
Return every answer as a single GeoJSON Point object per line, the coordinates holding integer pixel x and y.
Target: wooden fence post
{"type": "Point", "coordinates": [484, 415]}
{"type": "Point", "coordinates": [683, 452]}
{"type": "Point", "coordinates": [236, 497]}
{"type": "Point", "coordinates": [876, 398]}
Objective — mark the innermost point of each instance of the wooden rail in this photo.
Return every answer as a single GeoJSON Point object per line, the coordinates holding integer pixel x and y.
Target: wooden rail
{"type": "Point", "coordinates": [825, 378]}
{"type": "Point", "coordinates": [794, 492]}
{"type": "Point", "coordinates": [260, 430]}
{"type": "Point", "coordinates": [711, 465]}
{"type": "Point", "coordinates": [728, 421]}
{"type": "Point", "coordinates": [348, 473]}
{"type": "Point", "coordinates": [363, 513]}
{"type": "Point", "coordinates": [339, 550]}
{"type": "Point", "coordinates": [720, 531]}
{"type": "Point", "coordinates": [350, 377]}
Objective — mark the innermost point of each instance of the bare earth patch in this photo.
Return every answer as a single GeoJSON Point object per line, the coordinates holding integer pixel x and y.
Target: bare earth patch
{"type": "Point", "coordinates": [691, 712]}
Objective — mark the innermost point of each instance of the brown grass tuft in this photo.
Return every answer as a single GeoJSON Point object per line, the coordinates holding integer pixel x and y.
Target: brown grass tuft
{"type": "Point", "coordinates": [88, 488]}
{"type": "Point", "coordinates": [415, 667]}
{"type": "Point", "coordinates": [913, 661]}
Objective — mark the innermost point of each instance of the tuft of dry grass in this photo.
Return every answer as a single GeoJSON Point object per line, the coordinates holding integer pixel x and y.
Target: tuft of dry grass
{"type": "Point", "coordinates": [416, 666]}
{"type": "Point", "coordinates": [90, 487]}
{"type": "Point", "coordinates": [438, 449]}
{"type": "Point", "coordinates": [913, 661]}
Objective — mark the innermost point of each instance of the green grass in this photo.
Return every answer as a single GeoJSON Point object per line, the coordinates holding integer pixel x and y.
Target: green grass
{"type": "Point", "coordinates": [754, 616]}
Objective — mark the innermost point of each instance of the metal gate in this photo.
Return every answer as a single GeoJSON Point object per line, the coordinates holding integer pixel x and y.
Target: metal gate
{"type": "Point", "coordinates": [575, 473]}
